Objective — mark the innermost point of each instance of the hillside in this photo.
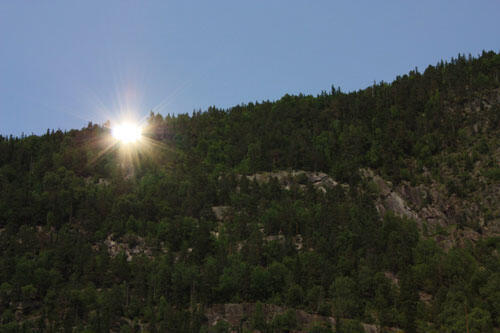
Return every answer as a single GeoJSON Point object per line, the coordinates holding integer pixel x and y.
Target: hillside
{"type": "Point", "coordinates": [375, 210]}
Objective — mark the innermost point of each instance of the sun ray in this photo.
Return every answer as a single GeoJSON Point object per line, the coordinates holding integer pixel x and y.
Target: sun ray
{"type": "Point", "coordinates": [101, 153]}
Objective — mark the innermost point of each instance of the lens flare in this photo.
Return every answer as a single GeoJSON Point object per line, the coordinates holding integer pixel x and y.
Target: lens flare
{"type": "Point", "coordinates": [127, 132]}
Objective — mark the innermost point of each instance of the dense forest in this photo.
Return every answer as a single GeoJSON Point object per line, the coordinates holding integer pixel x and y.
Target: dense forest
{"type": "Point", "coordinates": [97, 236]}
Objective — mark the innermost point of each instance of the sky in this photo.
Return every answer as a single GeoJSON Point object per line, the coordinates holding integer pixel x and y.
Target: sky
{"type": "Point", "coordinates": [65, 63]}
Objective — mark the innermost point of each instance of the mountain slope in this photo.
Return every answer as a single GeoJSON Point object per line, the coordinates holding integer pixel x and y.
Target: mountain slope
{"type": "Point", "coordinates": [376, 207]}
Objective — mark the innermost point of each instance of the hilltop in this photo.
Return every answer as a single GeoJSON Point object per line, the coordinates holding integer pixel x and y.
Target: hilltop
{"type": "Point", "coordinates": [350, 212]}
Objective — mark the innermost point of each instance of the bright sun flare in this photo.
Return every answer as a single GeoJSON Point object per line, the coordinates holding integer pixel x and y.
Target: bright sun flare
{"type": "Point", "coordinates": [127, 132]}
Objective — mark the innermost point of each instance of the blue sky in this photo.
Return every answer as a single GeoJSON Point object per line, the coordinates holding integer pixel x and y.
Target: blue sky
{"type": "Point", "coordinates": [64, 63]}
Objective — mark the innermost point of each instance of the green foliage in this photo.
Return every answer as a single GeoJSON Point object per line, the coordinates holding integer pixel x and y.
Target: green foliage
{"type": "Point", "coordinates": [221, 327]}
{"type": "Point", "coordinates": [493, 174]}
{"type": "Point", "coordinates": [320, 329]}
{"type": "Point", "coordinates": [258, 319]}
{"type": "Point", "coordinates": [350, 326]}
{"type": "Point", "coordinates": [294, 296]}
{"type": "Point", "coordinates": [284, 322]}
{"type": "Point", "coordinates": [343, 293]}
{"type": "Point", "coordinates": [91, 241]}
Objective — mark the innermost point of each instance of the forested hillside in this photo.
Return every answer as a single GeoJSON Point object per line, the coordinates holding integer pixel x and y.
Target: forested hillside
{"type": "Point", "coordinates": [343, 212]}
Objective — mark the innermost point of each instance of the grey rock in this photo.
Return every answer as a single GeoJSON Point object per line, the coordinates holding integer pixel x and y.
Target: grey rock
{"type": "Point", "coordinates": [221, 212]}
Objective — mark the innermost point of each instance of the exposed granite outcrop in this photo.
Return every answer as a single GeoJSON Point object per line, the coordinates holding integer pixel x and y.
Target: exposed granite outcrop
{"type": "Point", "coordinates": [239, 315]}
{"type": "Point", "coordinates": [446, 218]}
{"type": "Point", "coordinates": [130, 245]}
{"type": "Point", "coordinates": [286, 179]}
{"type": "Point", "coordinates": [221, 212]}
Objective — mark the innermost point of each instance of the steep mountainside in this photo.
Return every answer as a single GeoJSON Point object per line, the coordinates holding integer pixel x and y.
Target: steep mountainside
{"type": "Point", "coordinates": [375, 210]}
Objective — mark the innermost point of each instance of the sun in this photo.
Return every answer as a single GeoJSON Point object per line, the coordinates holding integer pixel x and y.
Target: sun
{"type": "Point", "coordinates": [127, 132]}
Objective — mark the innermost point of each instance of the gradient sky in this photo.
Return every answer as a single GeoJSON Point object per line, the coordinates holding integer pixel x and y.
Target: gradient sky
{"type": "Point", "coordinates": [65, 63]}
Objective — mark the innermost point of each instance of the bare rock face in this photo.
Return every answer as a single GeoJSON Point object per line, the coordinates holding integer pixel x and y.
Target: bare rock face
{"type": "Point", "coordinates": [390, 200]}
{"type": "Point", "coordinates": [298, 242]}
{"type": "Point", "coordinates": [131, 247]}
{"type": "Point", "coordinates": [239, 315]}
{"type": "Point", "coordinates": [459, 201]}
{"type": "Point", "coordinates": [286, 179]}
{"type": "Point", "coordinates": [221, 212]}
{"type": "Point", "coordinates": [395, 203]}
{"type": "Point", "coordinates": [425, 297]}
{"type": "Point", "coordinates": [373, 329]}
{"type": "Point", "coordinates": [391, 276]}
{"type": "Point", "coordinates": [435, 211]}
{"type": "Point", "coordinates": [272, 238]}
